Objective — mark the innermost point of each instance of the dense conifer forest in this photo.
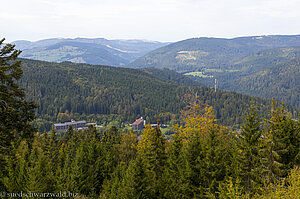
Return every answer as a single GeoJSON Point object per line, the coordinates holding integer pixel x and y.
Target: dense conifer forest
{"type": "Point", "coordinates": [97, 93]}
{"type": "Point", "coordinates": [202, 159]}
{"type": "Point", "coordinates": [264, 66]}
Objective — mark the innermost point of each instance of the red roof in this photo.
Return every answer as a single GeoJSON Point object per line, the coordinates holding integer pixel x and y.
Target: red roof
{"type": "Point", "coordinates": [138, 121]}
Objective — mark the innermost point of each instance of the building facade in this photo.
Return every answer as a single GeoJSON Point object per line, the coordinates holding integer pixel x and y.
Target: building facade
{"type": "Point", "coordinates": [75, 125]}
{"type": "Point", "coordinates": [139, 124]}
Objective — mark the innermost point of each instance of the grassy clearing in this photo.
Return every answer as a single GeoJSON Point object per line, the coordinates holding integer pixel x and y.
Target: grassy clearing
{"type": "Point", "coordinates": [214, 70]}
{"type": "Point", "coordinates": [199, 74]}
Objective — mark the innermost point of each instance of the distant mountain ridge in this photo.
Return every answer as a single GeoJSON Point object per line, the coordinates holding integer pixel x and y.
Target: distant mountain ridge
{"type": "Point", "coordinates": [198, 53]}
{"type": "Point", "coordinates": [251, 65]}
{"type": "Point", "coordinates": [84, 50]}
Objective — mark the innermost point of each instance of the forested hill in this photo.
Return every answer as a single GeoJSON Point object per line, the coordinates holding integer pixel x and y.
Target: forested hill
{"type": "Point", "coordinates": [197, 53]}
{"type": "Point", "coordinates": [271, 73]}
{"type": "Point", "coordinates": [248, 65]}
{"type": "Point", "coordinates": [94, 92]}
{"type": "Point", "coordinates": [170, 75]}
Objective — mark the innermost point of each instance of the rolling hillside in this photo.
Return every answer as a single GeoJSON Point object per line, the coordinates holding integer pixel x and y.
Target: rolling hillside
{"type": "Point", "coordinates": [281, 81]}
{"type": "Point", "coordinates": [172, 76]}
{"type": "Point", "coordinates": [269, 73]}
{"type": "Point", "coordinates": [83, 50]}
{"type": "Point", "coordinates": [198, 54]}
{"type": "Point", "coordinates": [101, 93]}
{"type": "Point", "coordinates": [236, 64]}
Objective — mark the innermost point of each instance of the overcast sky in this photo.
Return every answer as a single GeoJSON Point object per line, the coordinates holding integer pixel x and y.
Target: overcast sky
{"type": "Point", "coordinates": [159, 20]}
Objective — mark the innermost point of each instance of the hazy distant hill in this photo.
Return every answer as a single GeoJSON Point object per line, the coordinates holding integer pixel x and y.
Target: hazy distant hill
{"type": "Point", "coordinates": [207, 53]}
{"type": "Point", "coordinates": [237, 64]}
{"type": "Point", "coordinates": [83, 50]}
{"type": "Point", "coordinates": [94, 92]}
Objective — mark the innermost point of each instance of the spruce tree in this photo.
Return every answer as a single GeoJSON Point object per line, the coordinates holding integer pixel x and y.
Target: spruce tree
{"type": "Point", "coordinates": [249, 140]}
{"type": "Point", "coordinates": [69, 133]}
{"type": "Point", "coordinates": [174, 168]}
{"type": "Point", "coordinates": [131, 183]}
{"type": "Point", "coordinates": [151, 150]}
{"type": "Point", "coordinates": [218, 156]}
{"type": "Point", "coordinates": [283, 143]}
{"type": "Point", "coordinates": [17, 168]}
{"type": "Point", "coordinates": [16, 114]}
{"type": "Point", "coordinates": [38, 171]}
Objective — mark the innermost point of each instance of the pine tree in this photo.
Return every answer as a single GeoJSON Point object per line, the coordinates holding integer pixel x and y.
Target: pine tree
{"type": "Point", "coordinates": [129, 183]}
{"type": "Point", "coordinates": [218, 156]}
{"type": "Point", "coordinates": [127, 149]}
{"type": "Point", "coordinates": [151, 150]}
{"type": "Point", "coordinates": [16, 114]}
{"type": "Point", "coordinates": [174, 168]}
{"type": "Point", "coordinates": [206, 160]}
{"type": "Point", "coordinates": [38, 171]}
{"type": "Point", "coordinates": [194, 176]}
{"type": "Point", "coordinates": [60, 176]}
{"type": "Point", "coordinates": [282, 141]}
{"type": "Point", "coordinates": [17, 168]}
{"type": "Point", "coordinates": [285, 188]}
{"type": "Point", "coordinates": [85, 174]}
{"type": "Point", "coordinates": [69, 133]}
{"type": "Point", "coordinates": [249, 140]}
{"type": "Point", "coordinates": [109, 143]}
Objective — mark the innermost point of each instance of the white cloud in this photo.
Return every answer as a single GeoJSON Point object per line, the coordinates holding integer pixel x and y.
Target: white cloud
{"type": "Point", "coordinates": [167, 20]}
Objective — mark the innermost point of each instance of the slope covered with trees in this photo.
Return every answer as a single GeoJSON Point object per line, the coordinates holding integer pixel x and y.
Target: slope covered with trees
{"type": "Point", "coordinates": [281, 81]}
{"type": "Point", "coordinates": [93, 92]}
{"type": "Point", "coordinates": [210, 53]}
{"type": "Point", "coordinates": [172, 76]}
{"type": "Point", "coordinates": [202, 159]}
{"type": "Point", "coordinates": [270, 73]}
{"type": "Point", "coordinates": [248, 65]}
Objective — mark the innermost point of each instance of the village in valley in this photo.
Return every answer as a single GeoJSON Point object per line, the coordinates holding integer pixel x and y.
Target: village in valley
{"type": "Point", "coordinates": [137, 126]}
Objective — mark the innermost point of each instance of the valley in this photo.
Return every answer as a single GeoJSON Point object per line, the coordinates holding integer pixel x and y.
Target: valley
{"type": "Point", "coordinates": [100, 93]}
{"type": "Point", "coordinates": [151, 99]}
{"type": "Point", "coordinates": [247, 64]}
{"type": "Point", "coordinates": [102, 131]}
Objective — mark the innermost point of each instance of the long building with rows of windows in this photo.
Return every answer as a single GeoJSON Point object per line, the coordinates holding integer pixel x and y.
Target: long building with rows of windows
{"type": "Point", "coordinates": [75, 125]}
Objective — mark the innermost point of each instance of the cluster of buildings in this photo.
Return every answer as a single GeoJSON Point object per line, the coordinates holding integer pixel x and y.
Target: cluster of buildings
{"type": "Point", "coordinates": [139, 124]}
{"type": "Point", "coordinates": [78, 125]}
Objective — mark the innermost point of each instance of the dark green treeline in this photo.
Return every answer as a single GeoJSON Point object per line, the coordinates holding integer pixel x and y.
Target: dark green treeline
{"type": "Point", "coordinates": [118, 165]}
{"type": "Point", "coordinates": [101, 94]}
{"type": "Point", "coordinates": [201, 160]}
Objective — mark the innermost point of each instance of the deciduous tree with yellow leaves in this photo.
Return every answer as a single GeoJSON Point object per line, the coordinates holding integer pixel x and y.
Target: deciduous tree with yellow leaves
{"type": "Point", "coordinates": [198, 118]}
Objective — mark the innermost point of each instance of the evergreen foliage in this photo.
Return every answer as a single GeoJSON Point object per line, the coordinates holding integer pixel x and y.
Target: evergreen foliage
{"type": "Point", "coordinates": [221, 164]}
{"type": "Point", "coordinates": [265, 66]}
{"type": "Point", "coordinates": [201, 160]}
{"type": "Point", "coordinates": [15, 112]}
{"type": "Point", "coordinates": [101, 94]}
{"type": "Point", "coordinates": [249, 145]}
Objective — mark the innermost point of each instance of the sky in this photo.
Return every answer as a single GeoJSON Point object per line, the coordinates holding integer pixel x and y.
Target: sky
{"type": "Point", "coordinates": [156, 20]}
